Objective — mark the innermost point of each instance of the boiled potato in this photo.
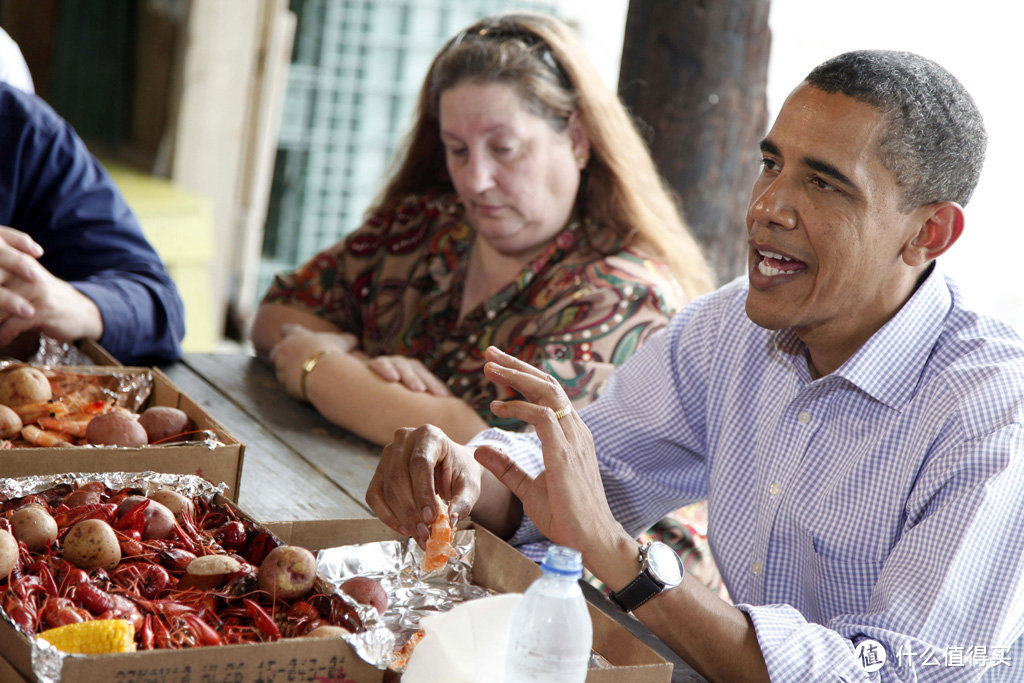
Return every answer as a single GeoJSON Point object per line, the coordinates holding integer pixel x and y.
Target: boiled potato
{"type": "Point", "coordinates": [92, 543]}
{"type": "Point", "coordinates": [162, 423]}
{"type": "Point", "coordinates": [328, 631]}
{"type": "Point", "coordinates": [10, 423]}
{"type": "Point", "coordinates": [366, 591]}
{"type": "Point", "coordinates": [24, 384]}
{"type": "Point", "coordinates": [208, 571]}
{"type": "Point", "coordinates": [8, 553]}
{"type": "Point", "coordinates": [158, 520]}
{"type": "Point", "coordinates": [116, 429]}
{"type": "Point", "coordinates": [288, 571]}
{"type": "Point", "coordinates": [80, 497]}
{"type": "Point", "coordinates": [34, 527]}
{"type": "Point", "coordinates": [174, 501]}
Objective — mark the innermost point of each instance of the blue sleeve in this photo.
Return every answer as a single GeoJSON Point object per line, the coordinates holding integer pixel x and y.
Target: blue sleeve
{"type": "Point", "coordinates": [52, 188]}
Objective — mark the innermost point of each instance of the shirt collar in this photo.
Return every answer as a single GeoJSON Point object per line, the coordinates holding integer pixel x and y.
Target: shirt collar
{"type": "Point", "coordinates": [888, 366]}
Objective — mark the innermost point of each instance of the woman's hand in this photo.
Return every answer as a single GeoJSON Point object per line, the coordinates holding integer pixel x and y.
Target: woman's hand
{"type": "Point", "coordinates": [567, 501]}
{"type": "Point", "coordinates": [297, 345]}
{"type": "Point", "coordinates": [411, 372]}
{"type": "Point", "coordinates": [418, 464]}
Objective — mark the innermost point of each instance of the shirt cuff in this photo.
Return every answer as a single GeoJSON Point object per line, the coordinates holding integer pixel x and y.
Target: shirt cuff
{"type": "Point", "coordinates": [525, 449]}
{"type": "Point", "coordinates": [794, 647]}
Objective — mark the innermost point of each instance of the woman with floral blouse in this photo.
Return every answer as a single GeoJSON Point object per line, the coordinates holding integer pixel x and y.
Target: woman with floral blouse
{"type": "Point", "coordinates": [524, 212]}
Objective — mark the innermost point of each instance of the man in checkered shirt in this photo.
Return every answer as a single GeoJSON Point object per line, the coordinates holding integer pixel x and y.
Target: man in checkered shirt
{"type": "Point", "coordinates": [857, 429]}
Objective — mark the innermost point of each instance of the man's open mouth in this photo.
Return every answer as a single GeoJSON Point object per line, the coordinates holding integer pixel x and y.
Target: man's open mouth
{"type": "Point", "coordinates": [773, 264]}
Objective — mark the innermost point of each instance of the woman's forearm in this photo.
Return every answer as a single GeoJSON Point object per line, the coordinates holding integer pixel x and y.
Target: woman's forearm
{"type": "Point", "coordinates": [353, 396]}
{"type": "Point", "coordinates": [265, 331]}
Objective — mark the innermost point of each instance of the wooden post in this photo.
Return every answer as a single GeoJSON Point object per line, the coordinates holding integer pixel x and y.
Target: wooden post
{"type": "Point", "coordinates": [694, 73]}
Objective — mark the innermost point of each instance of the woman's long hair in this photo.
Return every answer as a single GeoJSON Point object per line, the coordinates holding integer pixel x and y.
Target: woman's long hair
{"type": "Point", "coordinates": [621, 189]}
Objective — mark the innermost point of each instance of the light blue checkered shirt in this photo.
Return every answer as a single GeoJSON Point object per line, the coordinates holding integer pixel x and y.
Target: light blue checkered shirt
{"type": "Point", "coordinates": [884, 501]}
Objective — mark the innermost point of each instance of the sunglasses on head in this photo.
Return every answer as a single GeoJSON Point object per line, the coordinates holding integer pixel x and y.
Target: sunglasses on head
{"type": "Point", "coordinates": [530, 39]}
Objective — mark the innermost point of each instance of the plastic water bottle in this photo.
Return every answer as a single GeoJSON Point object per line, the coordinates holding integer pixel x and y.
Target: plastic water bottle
{"type": "Point", "coordinates": [550, 633]}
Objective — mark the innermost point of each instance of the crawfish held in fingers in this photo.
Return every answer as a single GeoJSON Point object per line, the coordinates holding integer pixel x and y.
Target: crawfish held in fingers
{"type": "Point", "coordinates": [439, 544]}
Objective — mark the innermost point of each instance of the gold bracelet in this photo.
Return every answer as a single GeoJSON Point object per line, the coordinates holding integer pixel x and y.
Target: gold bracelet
{"type": "Point", "coordinates": [307, 368]}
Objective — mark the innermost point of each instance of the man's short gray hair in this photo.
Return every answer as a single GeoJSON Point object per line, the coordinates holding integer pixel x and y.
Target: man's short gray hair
{"type": "Point", "coordinates": [935, 138]}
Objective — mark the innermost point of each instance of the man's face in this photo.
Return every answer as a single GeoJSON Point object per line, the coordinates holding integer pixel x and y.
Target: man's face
{"type": "Point", "coordinates": [825, 231]}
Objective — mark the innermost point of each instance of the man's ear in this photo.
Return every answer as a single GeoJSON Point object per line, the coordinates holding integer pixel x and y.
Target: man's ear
{"type": "Point", "coordinates": [942, 223]}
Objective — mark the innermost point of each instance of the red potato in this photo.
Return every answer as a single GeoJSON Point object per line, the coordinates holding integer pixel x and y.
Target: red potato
{"type": "Point", "coordinates": [287, 572]}
{"type": "Point", "coordinates": [174, 501]}
{"type": "Point", "coordinates": [34, 526]}
{"type": "Point", "coordinates": [8, 553]}
{"type": "Point", "coordinates": [158, 520]}
{"type": "Point", "coordinates": [366, 591]}
{"type": "Point", "coordinates": [92, 543]}
{"type": "Point", "coordinates": [327, 631]}
{"type": "Point", "coordinates": [10, 423]}
{"type": "Point", "coordinates": [163, 423]}
{"type": "Point", "coordinates": [82, 497]}
{"type": "Point", "coordinates": [24, 384]}
{"type": "Point", "coordinates": [116, 429]}
{"type": "Point", "coordinates": [208, 572]}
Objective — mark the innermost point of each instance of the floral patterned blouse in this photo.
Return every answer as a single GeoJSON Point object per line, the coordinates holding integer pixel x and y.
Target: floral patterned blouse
{"type": "Point", "coordinates": [396, 283]}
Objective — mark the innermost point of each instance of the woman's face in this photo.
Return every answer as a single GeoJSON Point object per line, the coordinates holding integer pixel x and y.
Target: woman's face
{"type": "Point", "coordinates": [516, 175]}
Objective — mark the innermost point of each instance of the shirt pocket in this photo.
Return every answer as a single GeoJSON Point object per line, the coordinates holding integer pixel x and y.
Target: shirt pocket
{"type": "Point", "coordinates": [842, 581]}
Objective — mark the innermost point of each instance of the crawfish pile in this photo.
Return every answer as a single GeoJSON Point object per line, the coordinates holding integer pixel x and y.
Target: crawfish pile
{"type": "Point", "coordinates": [45, 590]}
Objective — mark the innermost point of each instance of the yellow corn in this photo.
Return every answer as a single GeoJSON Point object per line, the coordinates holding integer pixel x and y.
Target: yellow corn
{"type": "Point", "coordinates": [97, 637]}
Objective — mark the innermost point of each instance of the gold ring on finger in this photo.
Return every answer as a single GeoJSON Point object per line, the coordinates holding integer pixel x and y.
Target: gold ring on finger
{"type": "Point", "coordinates": [563, 411]}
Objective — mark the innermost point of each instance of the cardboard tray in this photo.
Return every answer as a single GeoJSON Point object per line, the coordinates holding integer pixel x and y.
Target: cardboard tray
{"type": "Point", "coordinates": [497, 566]}
{"type": "Point", "coordinates": [220, 464]}
{"type": "Point", "coordinates": [98, 354]}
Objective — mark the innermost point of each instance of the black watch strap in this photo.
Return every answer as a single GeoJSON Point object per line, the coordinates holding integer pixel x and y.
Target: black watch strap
{"type": "Point", "coordinates": [637, 592]}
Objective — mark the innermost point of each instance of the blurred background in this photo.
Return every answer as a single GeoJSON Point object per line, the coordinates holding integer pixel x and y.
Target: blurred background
{"type": "Point", "coordinates": [250, 134]}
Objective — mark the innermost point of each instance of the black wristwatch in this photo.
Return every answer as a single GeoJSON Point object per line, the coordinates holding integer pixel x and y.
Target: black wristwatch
{"type": "Point", "coordinates": [660, 569]}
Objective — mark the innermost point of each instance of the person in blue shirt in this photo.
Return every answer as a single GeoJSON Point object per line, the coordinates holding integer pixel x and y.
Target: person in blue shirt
{"type": "Point", "coordinates": [857, 428]}
{"type": "Point", "coordinates": [74, 262]}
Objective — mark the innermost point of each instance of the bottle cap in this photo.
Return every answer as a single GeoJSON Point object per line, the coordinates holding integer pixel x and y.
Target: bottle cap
{"type": "Point", "coordinates": [563, 561]}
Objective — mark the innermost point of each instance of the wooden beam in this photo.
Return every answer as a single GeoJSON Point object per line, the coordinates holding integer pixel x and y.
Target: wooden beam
{"type": "Point", "coordinates": [208, 135]}
{"type": "Point", "coordinates": [695, 74]}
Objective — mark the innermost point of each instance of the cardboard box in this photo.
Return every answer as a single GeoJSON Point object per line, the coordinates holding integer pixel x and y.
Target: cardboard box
{"type": "Point", "coordinates": [8, 674]}
{"type": "Point", "coordinates": [497, 566]}
{"type": "Point", "coordinates": [222, 463]}
{"type": "Point", "coordinates": [98, 354]}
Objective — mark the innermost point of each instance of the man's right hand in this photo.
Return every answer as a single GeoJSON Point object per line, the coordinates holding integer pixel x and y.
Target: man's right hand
{"type": "Point", "coordinates": [418, 465]}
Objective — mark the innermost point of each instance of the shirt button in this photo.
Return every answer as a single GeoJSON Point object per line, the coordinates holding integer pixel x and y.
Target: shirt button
{"type": "Point", "coordinates": [804, 417]}
{"type": "Point", "coordinates": [774, 489]}
{"type": "Point", "coordinates": [756, 567]}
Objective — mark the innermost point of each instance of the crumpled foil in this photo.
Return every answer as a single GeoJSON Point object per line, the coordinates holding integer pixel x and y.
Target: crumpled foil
{"type": "Point", "coordinates": [53, 352]}
{"type": "Point", "coordinates": [48, 661]}
{"type": "Point", "coordinates": [186, 484]}
{"type": "Point", "coordinates": [412, 593]}
{"type": "Point", "coordinates": [126, 389]}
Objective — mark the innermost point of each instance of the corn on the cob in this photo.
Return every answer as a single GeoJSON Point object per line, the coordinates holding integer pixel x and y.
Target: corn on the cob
{"type": "Point", "coordinates": [97, 637]}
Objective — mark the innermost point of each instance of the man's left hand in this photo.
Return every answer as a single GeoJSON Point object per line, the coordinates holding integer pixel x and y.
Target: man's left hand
{"type": "Point", "coordinates": [566, 501]}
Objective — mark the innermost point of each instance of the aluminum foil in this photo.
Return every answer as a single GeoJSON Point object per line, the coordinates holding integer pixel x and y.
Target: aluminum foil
{"type": "Point", "coordinates": [126, 389]}
{"type": "Point", "coordinates": [187, 484]}
{"type": "Point", "coordinates": [53, 352]}
{"type": "Point", "coordinates": [412, 593]}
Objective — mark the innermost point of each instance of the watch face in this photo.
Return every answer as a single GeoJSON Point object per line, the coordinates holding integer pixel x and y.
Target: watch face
{"type": "Point", "coordinates": [664, 564]}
